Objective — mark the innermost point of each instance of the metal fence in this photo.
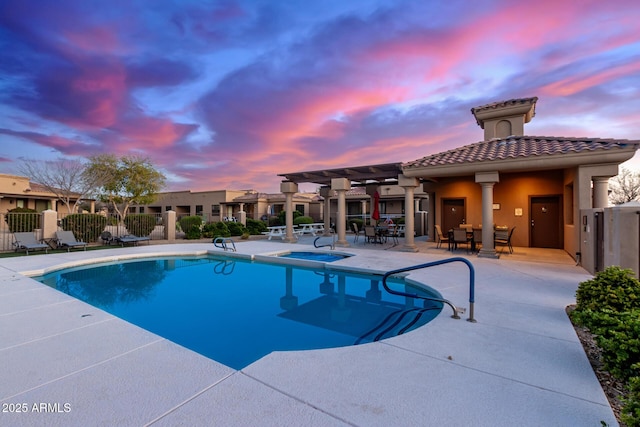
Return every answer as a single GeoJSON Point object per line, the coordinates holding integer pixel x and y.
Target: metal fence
{"type": "Point", "coordinates": [86, 227]}
{"type": "Point", "coordinates": [14, 222]}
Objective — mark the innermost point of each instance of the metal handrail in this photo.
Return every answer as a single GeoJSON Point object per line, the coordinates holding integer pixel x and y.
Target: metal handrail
{"type": "Point", "coordinates": [332, 245]}
{"type": "Point", "coordinates": [221, 242]}
{"type": "Point", "coordinates": [472, 275]}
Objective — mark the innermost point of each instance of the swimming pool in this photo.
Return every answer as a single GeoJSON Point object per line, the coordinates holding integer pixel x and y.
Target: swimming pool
{"type": "Point", "coordinates": [236, 311]}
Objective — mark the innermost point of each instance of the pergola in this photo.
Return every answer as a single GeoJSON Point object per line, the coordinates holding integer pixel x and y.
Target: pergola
{"type": "Point", "coordinates": [341, 180]}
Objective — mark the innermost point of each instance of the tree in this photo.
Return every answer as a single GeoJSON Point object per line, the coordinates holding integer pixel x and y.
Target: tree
{"type": "Point", "coordinates": [625, 187]}
{"type": "Point", "coordinates": [64, 178]}
{"type": "Point", "coordinates": [130, 180]}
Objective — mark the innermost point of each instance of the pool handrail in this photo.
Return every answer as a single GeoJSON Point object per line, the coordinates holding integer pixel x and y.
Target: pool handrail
{"type": "Point", "coordinates": [221, 242]}
{"type": "Point", "coordinates": [332, 245]}
{"type": "Point", "coordinates": [472, 275]}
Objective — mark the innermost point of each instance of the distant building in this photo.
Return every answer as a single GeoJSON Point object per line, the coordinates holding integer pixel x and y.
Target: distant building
{"type": "Point", "coordinates": [220, 205]}
{"type": "Point", "coordinates": [18, 192]}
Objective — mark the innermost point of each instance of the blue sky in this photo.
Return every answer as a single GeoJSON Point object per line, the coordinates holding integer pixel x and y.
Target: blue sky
{"type": "Point", "coordinates": [227, 94]}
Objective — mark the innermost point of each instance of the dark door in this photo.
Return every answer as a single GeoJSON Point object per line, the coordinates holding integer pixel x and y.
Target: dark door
{"type": "Point", "coordinates": [598, 224]}
{"type": "Point", "coordinates": [546, 222]}
{"type": "Point", "coordinates": [453, 213]}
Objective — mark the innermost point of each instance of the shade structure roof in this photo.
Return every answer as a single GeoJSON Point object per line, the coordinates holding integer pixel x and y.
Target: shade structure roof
{"type": "Point", "coordinates": [358, 174]}
{"type": "Point", "coordinates": [522, 153]}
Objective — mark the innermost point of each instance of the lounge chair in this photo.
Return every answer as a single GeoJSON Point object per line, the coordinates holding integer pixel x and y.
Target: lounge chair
{"type": "Point", "coordinates": [130, 238]}
{"type": "Point", "coordinates": [66, 239]}
{"type": "Point", "coordinates": [27, 241]}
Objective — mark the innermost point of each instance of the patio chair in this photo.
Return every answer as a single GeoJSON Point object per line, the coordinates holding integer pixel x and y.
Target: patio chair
{"type": "Point", "coordinates": [503, 238]}
{"type": "Point", "coordinates": [107, 238]}
{"type": "Point", "coordinates": [440, 237]}
{"type": "Point", "coordinates": [370, 234]}
{"type": "Point", "coordinates": [27, 241]}
{"type": "Point", "coordinates": [460, 236]}
{"type": "Point", "coordinates": [477, 238]}
{"type": "Point", "coordinates": [394, 234]}
{"type": "Point", "coordinates": [131, 238]}
{"type": "Point", "coordinates": [66, 239]}
{"type": "Point", "coordinates": [356, 231]}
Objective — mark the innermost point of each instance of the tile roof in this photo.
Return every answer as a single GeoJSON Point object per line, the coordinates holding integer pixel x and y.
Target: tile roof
{"type": "Point", "coordinates": [500, 104]}
{"type": "Point", "coordinates": [518, 147]}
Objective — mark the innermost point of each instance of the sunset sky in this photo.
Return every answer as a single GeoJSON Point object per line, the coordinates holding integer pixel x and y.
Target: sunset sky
{"type": "Point", "coordinates": [228, 94]}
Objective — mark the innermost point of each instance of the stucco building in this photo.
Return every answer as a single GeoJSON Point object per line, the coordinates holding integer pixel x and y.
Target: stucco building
{"type": "Point", "coordinates": [537, 184]}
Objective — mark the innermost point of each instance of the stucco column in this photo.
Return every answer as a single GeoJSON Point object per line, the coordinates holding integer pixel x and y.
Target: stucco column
{"type": "Point", "coordinates": [326, 193]}
{"type": "Point", "coordinates": [487, 180]}
{"type": "Point", "coordinates": [600, 191]}
{"type": "Point", "coordinates": [289, 189]}
{"type": "Point", "coordinates": [409, 185]}
{"type": "Point", "coordinates": [169, 220]}
{"type": "Point", "coordinates": [341, 185]}
{"type": "Point", "coordinates": [242, 215]}
{"type": "Point", "coordinates": [49, 224]}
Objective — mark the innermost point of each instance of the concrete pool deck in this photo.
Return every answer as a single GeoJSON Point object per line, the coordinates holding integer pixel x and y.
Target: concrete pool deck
{"type": "Point", "coordinates": [67, 363]}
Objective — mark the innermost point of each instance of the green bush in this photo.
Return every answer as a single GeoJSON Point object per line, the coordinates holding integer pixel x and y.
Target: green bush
{"type": "Point", "coordinates": [22, 219]}
{"type": "Point", "coordinates": [282, 216]}
{"type": "Point", "coordinates": [193, 233]}
{"type": "Point", "coordinates": [618, 336]}
{"type": "Point", "coordinates": [609, 306]}
{"type": "Point", "coordinates": [613, 289]}
{"type": "Point", "coordinates": [216, 229]}
{"type": "Point", "coordinates": [186, 222]}
{"type": "Point", "coordinates": [631, 412]}
{"type": "Point", "coordinates": [256, 227]}
{"type": "Point", "coordinates": [235, 228]}
{"type": "Point", "coordinates": [275, 221]}
{"type": "Point", "coordinates": [86, 227]}
{"type": "Point", "coordinates": [302, 220]}
{"type": "Point", "coordinates": [140, 224]}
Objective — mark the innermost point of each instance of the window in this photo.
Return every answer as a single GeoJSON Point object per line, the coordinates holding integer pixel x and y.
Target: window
{"type": "Point", "coordinates": [215, 210]}
{"type": "Point", "coordinates": [299, 208]}
{"type": "Point", "coordinates": [167, 208]}
{"type": "Point", "coordinates": [141, 209]}
{"type": "Point", "coordinates": [199, 211]}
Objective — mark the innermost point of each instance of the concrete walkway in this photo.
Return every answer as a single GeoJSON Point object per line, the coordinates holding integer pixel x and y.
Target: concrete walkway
{"type": "Point", "coordinates": [67, 363]}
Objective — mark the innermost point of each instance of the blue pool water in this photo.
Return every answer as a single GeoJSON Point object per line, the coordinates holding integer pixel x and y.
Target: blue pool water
{"type": "Point", "coordinates": [237, 311]}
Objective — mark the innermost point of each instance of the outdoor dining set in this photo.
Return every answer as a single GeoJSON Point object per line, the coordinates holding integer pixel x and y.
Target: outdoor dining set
{"type": "Point", "coordinates": [471, 237]}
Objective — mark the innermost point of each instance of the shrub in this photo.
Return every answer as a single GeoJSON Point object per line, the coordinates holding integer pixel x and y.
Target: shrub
{"type": "Point", "coordinates": [256, 227]}
{"type": "Point", "coordinates": [302, 220]}
{"type": "Point", "coordinates": [235, 228]}
{"type": "Point", "coordinates": [618, 335]}
{"type": "Point", "coordinates": [140, 224]}
{"type": "Point", "coordinates": [613, 289]}
{"type": "Point", "coordinates": [193, 233]}
{"type": "Point", "coordinates": [86, 227]}
{"type": "Point", "coordinates": [282, 215]}
{"type": "Point", "coordinates": [22, 219]}
{"type": "Point", "coordinates": [631, 412]}
{"type": "Point", "coordinates": [274, 221]}
{"type": "Point", "coordinates": [186, 222]}
{"type": "Point", "coordinates": [216, 229]}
